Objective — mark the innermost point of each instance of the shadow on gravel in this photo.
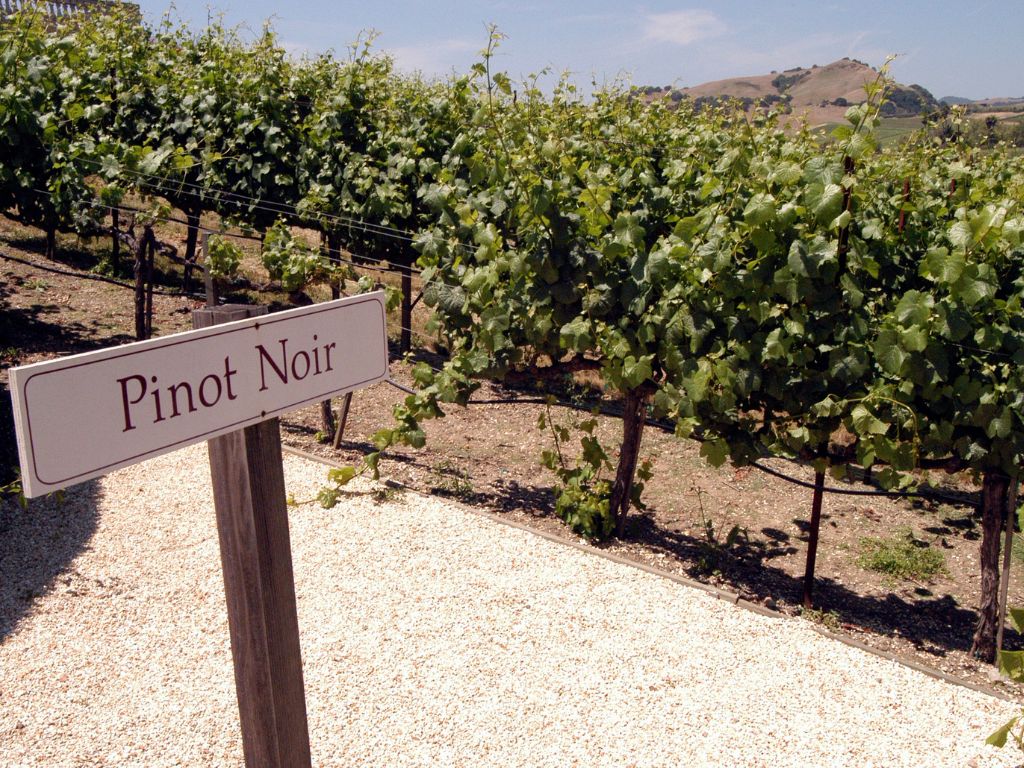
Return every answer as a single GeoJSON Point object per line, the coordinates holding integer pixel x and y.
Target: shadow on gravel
{"type": "Point", "coordinates": [38, 544]}
{"type": "Point", "coordinates": [935, 625]}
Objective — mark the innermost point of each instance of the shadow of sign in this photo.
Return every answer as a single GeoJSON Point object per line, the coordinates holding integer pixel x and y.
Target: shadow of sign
{"type": "Point", "coordinates": [37, 547]}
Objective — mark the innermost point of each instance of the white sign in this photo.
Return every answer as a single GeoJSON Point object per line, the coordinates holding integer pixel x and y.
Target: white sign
{"type": "Point", "coordinates": [82, 416]}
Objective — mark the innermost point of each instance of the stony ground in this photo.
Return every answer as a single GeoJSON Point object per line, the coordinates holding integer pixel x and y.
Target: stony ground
{"type": "Point", "coordinates": [431, 636]}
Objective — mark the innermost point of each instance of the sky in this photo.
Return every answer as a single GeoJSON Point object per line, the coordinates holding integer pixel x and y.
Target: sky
{"type": "Point", "coordinates": [967, 48]}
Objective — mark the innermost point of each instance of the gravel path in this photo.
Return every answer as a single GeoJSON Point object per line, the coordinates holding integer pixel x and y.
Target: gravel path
{"type": "Point", "coordinates": [431, 636]}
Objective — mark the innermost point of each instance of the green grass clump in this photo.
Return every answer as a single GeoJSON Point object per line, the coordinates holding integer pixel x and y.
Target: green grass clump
{"type": "Point", "coordinates": [902, 556]}
{"type": "Point", "coordinates": [828, 619]}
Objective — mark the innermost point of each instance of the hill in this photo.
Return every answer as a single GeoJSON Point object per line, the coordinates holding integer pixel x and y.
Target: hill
{"type": "Point", "coordinates": [821, 93]}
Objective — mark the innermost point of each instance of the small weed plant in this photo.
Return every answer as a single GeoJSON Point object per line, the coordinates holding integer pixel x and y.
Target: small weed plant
{"type": "Point", "coordinates": [452, 480]}
{"type": "Point", "coordinates": [13, 489]}
{"type": "Point", "coordinates": [712, 547]}
{"type": "Point", "coordinates": [224, 257]}
{"type": "Point", "coordinates": [830, 620]}
{"type": "Point", "coordinates": [902, 556]}
{"type": "Point", "coordinates": [583, 499]}
{"type": "Point", "coordinates": [387, 494]}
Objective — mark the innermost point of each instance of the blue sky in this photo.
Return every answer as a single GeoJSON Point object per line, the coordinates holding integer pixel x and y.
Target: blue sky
{"type": "Point", "coordinates": [972, 48]}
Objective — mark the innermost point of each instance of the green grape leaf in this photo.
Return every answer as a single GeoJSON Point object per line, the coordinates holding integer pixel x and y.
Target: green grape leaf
{"type": "Point", "coordinates": [1011, 664]}
{"type": "Point", "coordinates": [576, 335]}
{"type": "Point", "coordinates": [888, 351]}
{"type": "Point", "coordinates": [715, 452]}
{"type": "Point", "coordinates": [866, 423]}
{"type": "Point", "coordinates": [943, 266]}
{"type": "Point", "coordinates": [999, 736]}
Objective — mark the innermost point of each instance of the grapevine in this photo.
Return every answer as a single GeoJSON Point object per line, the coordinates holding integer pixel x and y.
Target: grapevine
{"type": "Point", "coordinates": [769, 291]}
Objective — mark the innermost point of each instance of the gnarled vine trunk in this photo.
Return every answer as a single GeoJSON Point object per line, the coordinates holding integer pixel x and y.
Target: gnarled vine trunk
{"type": "Point", "coordinates": [193, 216]}
{"type": "Point", "coordinates": [633, 421]}
{"type": "Point", "coordinates": [993, 511]}
{"type": "Point", "coordinates": [143, 278]}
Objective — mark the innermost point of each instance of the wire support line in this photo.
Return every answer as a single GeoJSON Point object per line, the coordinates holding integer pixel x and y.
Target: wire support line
{"type": "Point", "coordinates": [936, 495]}
{"type": "Point", "coordinates": [669, 427]}
{"type": "Point", "coordinates": [238, 235]}
{"type": "Point", "coordinates": [164, 219]}
{"type": "Point", "coordinates": [274, 206]}
{"type": "Point", "coordinates": [369, 263]}
{"type": "Point", "coordinates": [391, 267]}
{"type": "Point", "coordinates": [400, 386]}
{"type": "Point", "coordinates": [929, 495]}
{"type": "Point", "coordinates": [270, 206]}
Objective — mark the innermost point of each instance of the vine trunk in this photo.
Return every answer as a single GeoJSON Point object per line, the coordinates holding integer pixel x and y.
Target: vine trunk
{"type": "Point", "coordinates": [993, 511]}
{"type": "Point", "coordinates": [192, 238]}
{"type": "Point", "coordinates": [633, 421]}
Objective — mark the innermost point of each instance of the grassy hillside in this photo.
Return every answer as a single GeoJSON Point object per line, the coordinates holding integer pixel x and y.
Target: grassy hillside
{"type": "Point", "coordinates": [822, 94]}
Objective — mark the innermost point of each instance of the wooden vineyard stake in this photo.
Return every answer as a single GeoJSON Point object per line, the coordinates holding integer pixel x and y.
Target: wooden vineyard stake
{"type": "Point", "coordinates": [405, 343]}
{"type": "Point", "coordinates": [812, 541]}
{"type": "Point", "coordinates": [150, 259]}
{"type": "Point", "coordinates": [252, 525]}
{"type": "Point", "coordinates": [1004, 581]}
{"type": "Point", "coordinates": [327, 418]}
{"type": "Point", "coordinates": [339, 432]}
{"type": "Point", "coordinates": [211, 286]}
{"type": "Point", "coordinates": [906, 199]}
{"type": "Point", "coordinates": [140, 287]}
{"type": "Point", "coordinates": [115, 245]}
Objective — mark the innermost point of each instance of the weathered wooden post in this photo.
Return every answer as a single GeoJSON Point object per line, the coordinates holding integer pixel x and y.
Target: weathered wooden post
{"type": "Point", "coordinates": [405, 342]}
{"type": "Point", "coordinates": [208, 281]}
{"type": "Point", "coordinates": [255, 553]}
{"type": "Point", "coordinates": [339, 432]}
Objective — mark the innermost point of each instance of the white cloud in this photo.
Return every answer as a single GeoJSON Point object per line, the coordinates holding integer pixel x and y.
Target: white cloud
{"type": "Point", "coordinates": [682, 27]}
{"type": "Point", "coordinates": [434, 58]}
{"type": "Point", "coordinates": [817, 49]}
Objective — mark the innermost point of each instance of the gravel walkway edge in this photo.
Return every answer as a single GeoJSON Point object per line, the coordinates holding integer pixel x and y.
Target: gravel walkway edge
{"type": "Point", "coordinates": [721, 594]}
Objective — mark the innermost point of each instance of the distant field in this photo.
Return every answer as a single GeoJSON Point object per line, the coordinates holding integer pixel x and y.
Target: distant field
{"type": "Point", "coordinates": [890, 131]}
{"type": "Point", "coordinates": [894, 128]}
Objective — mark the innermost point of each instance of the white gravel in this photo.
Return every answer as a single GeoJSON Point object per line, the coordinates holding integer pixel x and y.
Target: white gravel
{"type": "Point", "coordinates": [432, 636]}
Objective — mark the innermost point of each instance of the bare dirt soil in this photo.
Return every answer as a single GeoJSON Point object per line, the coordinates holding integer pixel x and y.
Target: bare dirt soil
{"type": "Point", "coordinates": [738, 529]}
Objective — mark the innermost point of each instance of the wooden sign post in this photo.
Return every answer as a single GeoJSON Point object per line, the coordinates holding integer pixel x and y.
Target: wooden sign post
{"type": "Point", "coordinates": [255, 554]}
{"type": "Point", "coordinates": [224, 382]}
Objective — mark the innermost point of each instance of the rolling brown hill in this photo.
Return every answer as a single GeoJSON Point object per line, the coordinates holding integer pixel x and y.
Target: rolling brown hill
{"type": "Point", "coordinates": [821, 93]}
